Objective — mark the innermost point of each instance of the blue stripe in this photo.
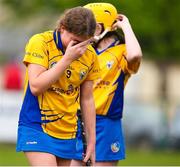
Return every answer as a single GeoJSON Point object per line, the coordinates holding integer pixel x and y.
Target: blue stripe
{"type": "Point", "coordinates": [59, 43]}
{"type": "Point", "coordinates": [46, 118]}
{"type": "Point", "coordinates": [30, 114]}
{"type": "Point", "coordinates": [116, 107]}
{"type": "Point", "coordinates": [111, 45]}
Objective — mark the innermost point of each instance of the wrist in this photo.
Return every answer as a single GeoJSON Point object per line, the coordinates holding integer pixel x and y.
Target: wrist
{"type": "Point", "coordinates": [62, 64]}
{"type": "Point", "coordinates": [92, 140]}
{"type": "Point", "coordinates": [66, 59]}
{"type": "Point", "coordinates": [126, 27]}
{"type": "Point", "coordinates": [92, 144]}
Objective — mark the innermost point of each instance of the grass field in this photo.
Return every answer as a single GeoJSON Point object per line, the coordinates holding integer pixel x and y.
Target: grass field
{"type": "Point", "coordinates": [8, 157]}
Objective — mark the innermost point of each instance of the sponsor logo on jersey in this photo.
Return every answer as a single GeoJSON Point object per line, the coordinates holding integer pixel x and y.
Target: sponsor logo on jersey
{"type": "Point", "coordinates": [34, 54]}
{"type": "Point", "coordinates": [115, 147]}
{"type": "Point", "coordinates": [101, 84]}
{"type": "Point", "coordinates": [71, 89]}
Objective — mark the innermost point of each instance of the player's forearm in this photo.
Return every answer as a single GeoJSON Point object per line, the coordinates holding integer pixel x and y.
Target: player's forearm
{"type": "Point", "coordinates": [89, 114]}
{"type": "Point", "coordinates": [44, 80]}
{"type": "Point", "coordinates": [88, 109]}
{"type": "Point", "coordinates": [133, 48]}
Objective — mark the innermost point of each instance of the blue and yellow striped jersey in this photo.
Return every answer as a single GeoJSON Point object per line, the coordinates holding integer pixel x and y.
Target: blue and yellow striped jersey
{"type": "Point", "coordinates": [54, 111]}
{"type": "Point", "coordinates": [109, 89]}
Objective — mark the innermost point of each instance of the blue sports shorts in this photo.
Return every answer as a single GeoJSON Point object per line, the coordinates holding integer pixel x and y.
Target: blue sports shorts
{"type": "Point", "coordinates": [30, 139]}
{"type": "Point", "coordinates": [109, 140]}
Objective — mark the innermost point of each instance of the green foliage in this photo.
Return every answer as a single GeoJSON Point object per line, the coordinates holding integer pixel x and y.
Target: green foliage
{"type": "Point", "coordinates": [154, 21]}
{"type": "Point", "coordinates": [156, 25]}
{"type": "Point", "coordinates": [8, 157]}
{"type": "Point", "coordinates": [26, 8]}
{"type": "Point", "coordinates": [137, 157]}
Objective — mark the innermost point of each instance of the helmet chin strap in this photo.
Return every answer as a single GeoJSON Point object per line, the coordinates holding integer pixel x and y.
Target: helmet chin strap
{"type": "Point", "coordinates": [98, 37]}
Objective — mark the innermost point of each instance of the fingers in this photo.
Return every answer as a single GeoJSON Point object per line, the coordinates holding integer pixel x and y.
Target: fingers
{"type": "Point", "coordinates": [117, 24]}
{"type": "Point", "coordinates": [114, 26]}
{"type": "Point", "coordinates": [76, 50]}
{"type": "Point", "coordinates": [120, 17]}
{"type": "Point", "coordinates": [82, 46]}
{"type": "Point", "coordinates": [71, 43]}
{"type": "Point", "coordinates": [122, 22]}
{"type": "Point", "coordinates": [89, 158]}
{"type": "Point", "coordinates": [84, 43]}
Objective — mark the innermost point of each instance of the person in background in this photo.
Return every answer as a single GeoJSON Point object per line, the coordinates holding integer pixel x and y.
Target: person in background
{"type": "Point", "coordinates": [60, 69]}
{"type": "Point", "coordinates": [119, 58]}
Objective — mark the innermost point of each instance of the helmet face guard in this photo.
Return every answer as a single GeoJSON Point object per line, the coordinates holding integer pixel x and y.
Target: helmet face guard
{"type": "Point", "coordinates": [105, 14]}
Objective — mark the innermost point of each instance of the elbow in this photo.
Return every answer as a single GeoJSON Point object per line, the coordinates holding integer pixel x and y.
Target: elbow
{"type": "Point", "coordinates": [35, 90]}
{"type": "Point", "coordinates": [134, 62]}
{"type": "Point", "coordinates": [139, 54]}
{"type": "Point", "coordinates": [137, 57]}
{"type": "Point", "coordinates": [134, 58]}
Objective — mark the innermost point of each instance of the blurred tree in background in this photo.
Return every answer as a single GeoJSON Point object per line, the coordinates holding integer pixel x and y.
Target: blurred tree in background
{"type": "Point", "coordinates": [155, 22]}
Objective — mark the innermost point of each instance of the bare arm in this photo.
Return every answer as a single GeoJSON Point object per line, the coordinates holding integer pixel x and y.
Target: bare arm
{"type": "Point", "coordinates": [40, 79]}
{"type": "Point", "coordinates": [133, 48]}
{"type": "Point", "coordinates": [88, 110]}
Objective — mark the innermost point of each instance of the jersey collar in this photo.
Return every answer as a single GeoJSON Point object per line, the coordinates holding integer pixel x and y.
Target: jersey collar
{"type": "Point", "coordinates": [116, 42]}
{"type": "Point", "coordinates": [57, 39]}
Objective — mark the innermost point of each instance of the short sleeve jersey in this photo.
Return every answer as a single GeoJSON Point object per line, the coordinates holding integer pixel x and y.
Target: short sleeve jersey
{"type": "Point", "coordinates": [54, 111]}
{"type": "Point", "coordinates": [109, 89]}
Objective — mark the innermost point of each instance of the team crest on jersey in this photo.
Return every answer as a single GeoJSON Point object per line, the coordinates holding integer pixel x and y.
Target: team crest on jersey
{"type": "Point", "coordinates": [110, 64]}
{"type": "Point", "coordinates": [82, 73]}
{"type": "Point", "coordinates": [115, 147]}
{"type": "Point", "coordinates": [52, 64]}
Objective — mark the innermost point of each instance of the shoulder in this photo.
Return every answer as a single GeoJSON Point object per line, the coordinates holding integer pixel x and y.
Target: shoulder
{"type": "Point", "coordinates": [118, 51]}
{"type": "Point", "coordinates": [91, 50]}
{"type": "Point", "coordinates": [41, 37]}
{"type": "Point", "coordinates": [119, 48]}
